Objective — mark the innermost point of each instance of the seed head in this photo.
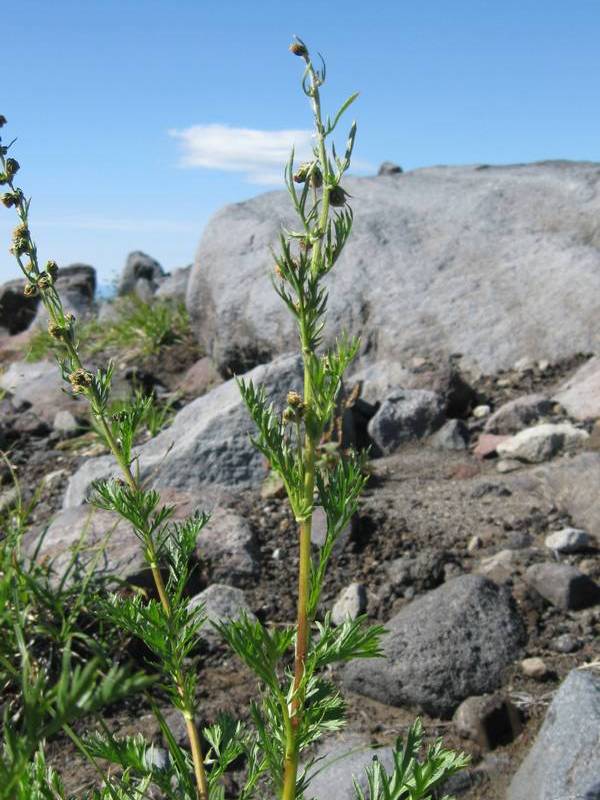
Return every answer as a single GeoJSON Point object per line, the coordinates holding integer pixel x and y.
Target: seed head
{"type": "Point", "coordinates": [81, 380]}
{"type": "Point", "coordinates": [10, 199]}
{"type": "Point", "coordinates": [20, 242]}
{"type": "Point", "coordinates": [337, 196]}
{"type": "Point", "coordinates": [52, 268]}
{"type": "Point", "coordinates": [12, 167]}
{"type": "Point", "coordinates": [294, 399]}
{"type": "Point", "coordinates": [44, 281]}
{"type": "Point", "coordinates": [289, 415]}
{"type": "Point", "coordinates": [3, 178]}
{"type": "Point", "coordinates": [298, 48]}
{"type": "Point", "coordinates": [57, 331]}
{"type": "Point", "coordinates": [3, 120]}
{"type": "Point", "coordinates": [30, 290]}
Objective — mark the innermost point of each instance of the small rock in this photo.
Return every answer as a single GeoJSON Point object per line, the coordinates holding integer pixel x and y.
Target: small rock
{"type": "Point", "coordinates": [221, 603]}
{"type": "Point", "coordinates": [157, 757]}
{"type": "Point", "coordinates": [480, 412]}
{"type": "Point", "coordinates": [406, 415]}
{"type": "Point", "coordinates": [508, 465]}
{"type": "Point", "coordinates": [499, 567]}
{"type": "Point", "coordinates": [569, 540]}
{"type": "Point", "coordinates": [199, 378]}
{"type": "Point", "coordinates": [65, 424]}
{"type": "Point", "coordinates": [524, 364]}
{"type": "Point", "coordinates": [475, 543]}
{"type": "Point", "coordinates": [350, 604]}
{"type": "Point", "coordinates": [487, 445]}
{"type": "Point", "coordinates": [389, 168]}
{"type": "Point", "coordinates": [319, 531]}
{"type": "Point", "coordinates": [541, 442]}
{"type": "Point", "coordinates": [8, 498]}
{"type": "Point", "coordinates": [565, 643]}
{"type": "Point", "coordinates": [489, 720]}
{"type": "Point", "coordinates": [534, 668]}
{"type": "Point", "coordinates": [517, 414]}
{"type": "Point", "coordinates": [563, 586]}
{"type": "Point", "coordinates": [141, 274]}
{"type": "Point", "coordinates": [580, 395]}
{"type": "Point", "coordinates": [543, 365]}
{"type": "Point", "coordinates": [454, 435]}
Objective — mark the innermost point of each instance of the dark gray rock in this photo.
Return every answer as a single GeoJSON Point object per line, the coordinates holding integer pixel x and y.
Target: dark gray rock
{"type": "Point", "coordinates": [76, 285]}
{"type": "Point", "coordinates": [564, 761]}
{"type": "Point", "coordinates": [208, 442]}
{"type": "Point", "coordinates": [406, 415]}
{"type": "Point", "coordinates": [517, 414]}
{"type": "Point", "coordinates": [488, 720]}
{"type": "Point", "coordinates": [454, 435]}
{"type": "Point", "coordinates": [389, 168]}
{"type": "Point", "coordinates": [563, 586]}
{"type": "Point", "coordinates": [141, 275]}
{"type": "Point", "coordinates": [451, 643]}
{"type": "Point", "coordinates": [443, 260]}
{"type": "Point", "coordinates": [17, 312]}
{"type": "Point", "coordinates": [174, 286]}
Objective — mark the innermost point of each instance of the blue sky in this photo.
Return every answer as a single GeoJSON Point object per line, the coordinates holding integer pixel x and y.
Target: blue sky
{"type": "Point", "coordinates": [137, 119]}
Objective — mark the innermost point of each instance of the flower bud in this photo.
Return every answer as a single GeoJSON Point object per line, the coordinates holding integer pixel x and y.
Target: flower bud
{"type": "Point", "coordinates": [3, 178]}
{"type": "Point", "coordinates": [337, 196]}
{"type": "Point", "coordinates": [301, 173]}
{"type": "Point", "coordinates": [11, 166]}
{"type": "Point", "coordinates": [30, 290]}
{"type": "Point", "coordinates": [20, 242]}
{"type": "Point", "coordinates": [44, 281]}
{"type": "Point", "coordinates": [10, 199]}
{"type": "Point", "coordinates": [298, 48]}
{"type": "Point", "coordinates": [81, 380]}
{"type": "Point", "coordinates": [3, 120]}
{"type": "Point", "coordinates": [289, 415]}
{"type": "Point", "coordinates": [294, 399]}
{"type": "Point", "coordinates": [56, 331]}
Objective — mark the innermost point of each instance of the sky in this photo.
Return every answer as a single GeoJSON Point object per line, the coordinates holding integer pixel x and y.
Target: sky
{"type": "Point", "coordinates": [138, 119]}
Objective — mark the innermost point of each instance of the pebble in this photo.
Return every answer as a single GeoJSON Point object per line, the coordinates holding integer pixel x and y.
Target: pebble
{"type": "Point", "coordinates": [508, 465]}
{"type": "Point", "coordinates": [479, 412]}
{"type": "Point", "coordinates": [565, 643]}
{"type": "Point", "coordinates": [475, 543]}
{"type": "Point", "coordinates": [350, 603]}
{"type": "Point", "coordinates": [534, 668]}
{"type": "Point", "coordinates": [569, 540]}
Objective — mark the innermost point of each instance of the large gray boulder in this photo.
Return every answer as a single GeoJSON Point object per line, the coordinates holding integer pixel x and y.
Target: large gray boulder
{"type": "Point", "coordinates": [564, 761]}
{"type": "Point", "coordinates": [141, 275]}
{"type": "Point", "coordinates": [443, 260]}
{"type": "Point", "coordinates": [174, 286]}
{"type": "Point", "coordinates": [208, 442]}
{"type": "Point", "coordinates": [40, 387]}
{"type": "Point", "coordinates": [580, 395]}
{"type": "Point", "coordinates": [76, 285]}
{"type": "Point", "coordinates": [406, 414]}
{"type": "Point", "coordinates": [452, 643]}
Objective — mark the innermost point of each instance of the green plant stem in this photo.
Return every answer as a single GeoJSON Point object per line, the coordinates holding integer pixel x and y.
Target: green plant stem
{"type": "Point", "coordinates": [310, 452]}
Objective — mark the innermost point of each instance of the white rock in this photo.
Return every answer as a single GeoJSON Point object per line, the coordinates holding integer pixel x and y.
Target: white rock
{"type": "Point", "coordinates": [541, 442]}
{"type": "Point", "coordinates": [569, 540]}
{"type": "Point", "coordinates": [508, 465]}
{"type": "Point", "coordinates": [479, 412]}
{"type": "Point", "coordinates": [534, 668]}
{"type": "Point", "coordinates": [351, 603]}
{"type": "Point", "coordinates": [580, 395]}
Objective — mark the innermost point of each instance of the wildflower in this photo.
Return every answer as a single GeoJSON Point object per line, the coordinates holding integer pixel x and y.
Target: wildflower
{"type": "Point", "coordinates": [80, 380]}
{"type": "Point", "coordinates": [294, 399]}
{"type": "Point", "coordinates": [12, 167]}
{"type": "Point", "coordinates": [337, 196]}
{"type": "Point", "coordinates": [44, 281]}
{"type": "Point", "coordinates": [52, 268]}
{"type": "Point", "coordinates": [298, 48]}
{"type": "Point", "coordinates": [30, 290]}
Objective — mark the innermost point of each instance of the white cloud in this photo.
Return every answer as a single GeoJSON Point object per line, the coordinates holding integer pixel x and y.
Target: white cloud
{"type": "Point", "coordinates": [258, 155]}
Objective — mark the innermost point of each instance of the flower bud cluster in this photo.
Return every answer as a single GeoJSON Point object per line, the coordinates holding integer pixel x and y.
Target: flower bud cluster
{"type": "Point", "coordinates": [298, 48]}
{"type": "Point", "coordinates": [21, 242]}
{"type": "Point", "coordinates": [309, 170]}
{"type": "Point", "coordinates": [63, 332]}
{"type": "Point", "coordinates": [10, 199]}
{"type": "Point", "coordinates": [80, 380]}
{"type": "Point", "coordinates": [296, 408]}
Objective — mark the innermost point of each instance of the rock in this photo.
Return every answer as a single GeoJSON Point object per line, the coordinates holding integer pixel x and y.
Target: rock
{"type": "Point", "coordinates": [389, 168]}
{"type": "Point", "coordinates": [378, 380]}
{"type": "Point", "coordinates": [487, 445]}
{"type": "Point", "coordinates": [449, 383]}
{"type": "Point", "coordinates": [141, 275]}
{"type": "Point", "coordinates": [489, 720]}
{"type": "Point", "coordinates": [350, 604]}
{"type": "Point", "coordinates": [524, 365]}
{"type": "Point", "coordinates": [405, 415]}
{"type": "Point", "coordinates": [17, 312]}
{"type": "Point", "coordinates": [534, 668]}
{"type": "Point", "coordinates": [319, 531]}
{"type": "Point", "coordinates": [570, 484]}
{"type": "Point", "coordinates": [65, 424]}
{"type": "Point", "coordinates": [8, 498]}
{"type": "Point", "coordinates": [199, 378]}
{"type": "Point", "coordinates": [499, 567]}
{"type": "Point", "coordinates": [564, 761]}
{"type": "Point", "coordinates": [541, 442]}
{"type": "Point", "coordinates": [454, 435]}
{"type": "Point", "coordinates": [85, 529]}
{"type": "Point", "coordinates": [580, 395]}
{"type": "Point", "coordinates": [208, 442]}
{"type": "Point", "coordinates": [453, 642]}
{"type": "Point", "coordinates": [480, 412]}
{"type": "Point", "coordinates": [443, 260]}
{"type": "Point", "coordinates": [508, 465]}
{"type": "Point", "coordinates": [221, 603]}
{"type": "Point", "coordinates": [76, 285]}
{"type": "Point", "coordinates": [174, 286]}
{"type": "Point", "coordinates": [518, 414]}
{"type": "Point", "coordinates": [565, 643]}
{"type": "Point", "coordinates": [569, 540]}
{"type": "Point", "coordinates": [475, 543]}
{"type": "Point", "coordinates": [227, 548]}
{"type": "Point", "coordinates": [339, 761]}
{"type": "Point", "coordinates": [422, 571]}
{"type": "Point", "coordinates": [39, 386]}
{"type": "Point", "coordinates": [563, 586]}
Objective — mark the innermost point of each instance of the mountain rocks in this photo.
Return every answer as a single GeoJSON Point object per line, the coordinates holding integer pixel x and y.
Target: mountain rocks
{"type": "Point", "coordinates": [454, 435]}
{"type": "Point", "coordinates": [565, 758]}
{"type": "Point", "coordinates": [405, 415]}
{"type": "Point", "coordinates": [569, 540]}
{"type": "Point", "coordinates": [174, 286]}
{"type": "Point", "coordinates": [76, 285]}
{"type": "Point", "coordinates": [442, 261]}
{"type": "Point", "coordinates": [541, 442]}
{"type": "Point", "coordinates": [141, 275]}
{"type": "Point", "coordinates": [518, 414]}
{"type": "Point", "coordinates": [453, 642]}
